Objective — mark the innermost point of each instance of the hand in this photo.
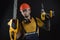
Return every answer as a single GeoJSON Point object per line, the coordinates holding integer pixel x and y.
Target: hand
{"type": "Point", "coordinates": [10, 22]}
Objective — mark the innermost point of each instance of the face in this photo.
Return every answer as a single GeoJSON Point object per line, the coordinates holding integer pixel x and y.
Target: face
{"type": "Point", "coordinates": [26, 12]}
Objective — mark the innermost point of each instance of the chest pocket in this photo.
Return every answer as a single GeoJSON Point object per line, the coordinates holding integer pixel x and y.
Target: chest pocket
{"type": "Point", "coordinates": [30, 27]}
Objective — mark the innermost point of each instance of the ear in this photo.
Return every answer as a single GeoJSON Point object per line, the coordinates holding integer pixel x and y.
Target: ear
{"type": "Point", "coordinates": [21, 11]}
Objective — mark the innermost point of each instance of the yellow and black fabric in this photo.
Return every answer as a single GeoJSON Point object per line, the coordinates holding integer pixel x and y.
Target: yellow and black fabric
{"type": "Point", "coordinates": [32, 26]}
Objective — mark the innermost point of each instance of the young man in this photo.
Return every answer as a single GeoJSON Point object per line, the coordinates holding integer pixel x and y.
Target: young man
{"type": "Point", "coordinates": [29, 27]}
{"type": "Point", "coordinates": [29, 24]}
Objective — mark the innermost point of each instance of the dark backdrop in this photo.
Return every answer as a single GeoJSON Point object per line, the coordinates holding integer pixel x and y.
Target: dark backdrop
{"type": "Point", "coordinates": [7, 11]}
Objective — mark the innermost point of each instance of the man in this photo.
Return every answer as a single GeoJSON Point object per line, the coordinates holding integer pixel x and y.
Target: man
{"type": "Point", "coordinates": [29, 27]}
{"type": "Point", "coordinates": [31, 30]}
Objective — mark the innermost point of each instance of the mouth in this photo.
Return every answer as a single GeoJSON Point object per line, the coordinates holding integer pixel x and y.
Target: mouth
{"type": "Point", "coordinates": [26, 16]}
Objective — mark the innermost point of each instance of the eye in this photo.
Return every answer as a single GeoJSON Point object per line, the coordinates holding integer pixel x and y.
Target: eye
{"type": "Point", "coordinates": [29, 9]}
{"type": "Point", "coordinates": [24, 10]}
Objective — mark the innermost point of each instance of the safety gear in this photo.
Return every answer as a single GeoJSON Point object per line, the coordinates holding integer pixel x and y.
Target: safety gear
{"type": "Point", "coordinates": [24, 6]}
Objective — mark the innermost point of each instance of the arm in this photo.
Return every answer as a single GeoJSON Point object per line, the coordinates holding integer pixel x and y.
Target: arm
{"type": "Point", "coordinates": [39, 22]}
{"type": "Point", "coordinates": [42, 24]}
{"type": "Point", "coordinates": [46, 17]}
{"type": "Point", "coordinates": [14, 27]}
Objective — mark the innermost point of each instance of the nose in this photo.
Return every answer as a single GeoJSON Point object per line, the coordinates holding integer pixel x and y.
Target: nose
{"type": "Point", "coordinates": [24, 13]}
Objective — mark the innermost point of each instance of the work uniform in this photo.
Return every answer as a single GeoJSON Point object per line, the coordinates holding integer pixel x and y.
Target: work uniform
{"type": "Point", "coordinates": [30, 32]}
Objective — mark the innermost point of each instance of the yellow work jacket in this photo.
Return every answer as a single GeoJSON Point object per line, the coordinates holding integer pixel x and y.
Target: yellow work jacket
{"type": "Point", "coordinates": [31, 27]}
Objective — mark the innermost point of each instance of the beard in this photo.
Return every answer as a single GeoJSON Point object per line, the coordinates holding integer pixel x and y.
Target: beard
{"type": "Point", "coordinates": [27, 20]}
{"type": "Point", "coordinates": [26, 16]}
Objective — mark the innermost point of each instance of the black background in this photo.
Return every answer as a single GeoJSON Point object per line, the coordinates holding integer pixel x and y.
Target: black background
{"type": "Point", "coordinates": [6, 12]}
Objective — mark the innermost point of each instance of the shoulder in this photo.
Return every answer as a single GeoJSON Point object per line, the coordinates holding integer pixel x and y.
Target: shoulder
{"type": "Point", "coordinates": [37, 18]}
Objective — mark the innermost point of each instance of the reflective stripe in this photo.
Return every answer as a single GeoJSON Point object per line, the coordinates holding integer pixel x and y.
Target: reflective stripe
{"type": "Point", "coordinates": [30, 33]}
